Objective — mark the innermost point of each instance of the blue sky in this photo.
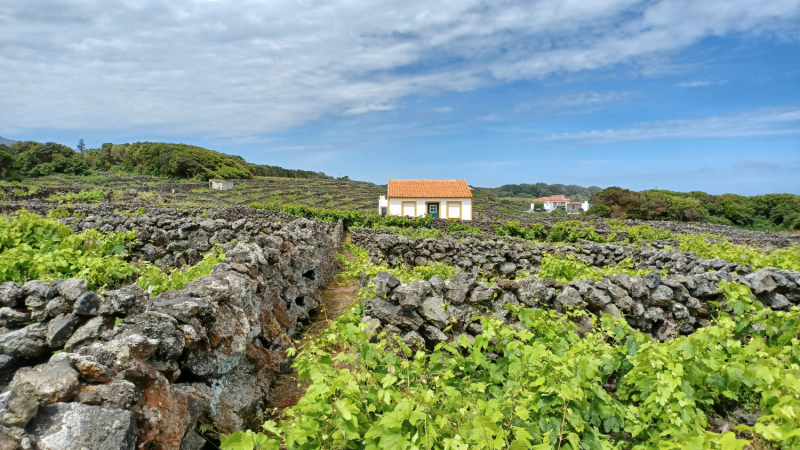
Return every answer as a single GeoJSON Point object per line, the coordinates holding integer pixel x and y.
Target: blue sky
{"type": "Point", "coordinates": [674, 94]}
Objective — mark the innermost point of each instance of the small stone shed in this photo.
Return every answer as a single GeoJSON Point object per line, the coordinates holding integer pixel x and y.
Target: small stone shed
{"type": "Point", "coordinates": [220, 185]}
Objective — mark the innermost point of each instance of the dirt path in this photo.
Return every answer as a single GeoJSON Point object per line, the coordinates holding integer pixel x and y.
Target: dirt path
{"type": "Point", "coordinates": [336, 298]}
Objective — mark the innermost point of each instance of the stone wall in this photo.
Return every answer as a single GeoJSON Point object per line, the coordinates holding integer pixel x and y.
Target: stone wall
{"type": "Point", "coordinates": [510, 257]}
{"type": "Point", "coordinates": [119, 369]}
{"type": "Point", "coordinates": [663, 308]}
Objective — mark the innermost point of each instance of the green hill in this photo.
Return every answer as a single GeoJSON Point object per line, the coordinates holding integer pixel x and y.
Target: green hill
{"type": "Point", "coordinates": [159, 159]}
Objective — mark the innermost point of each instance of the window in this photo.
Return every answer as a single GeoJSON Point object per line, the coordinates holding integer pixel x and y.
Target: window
{"type": "Point", "coordinates": [383, 210]}
{"type": "Point", "coordinates": [433, 208]}
{"type": "Point", "coordinates": [453, 210]}
{"type": "Point", "coordinates": [410, 209]}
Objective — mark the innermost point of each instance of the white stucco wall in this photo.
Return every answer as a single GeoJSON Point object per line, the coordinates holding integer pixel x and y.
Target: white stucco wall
{"type": "Point", "coordinates": [396, 208]}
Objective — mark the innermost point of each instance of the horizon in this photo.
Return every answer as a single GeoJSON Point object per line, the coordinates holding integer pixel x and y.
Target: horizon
{"type": "Point", "coordinates": [669, 94]}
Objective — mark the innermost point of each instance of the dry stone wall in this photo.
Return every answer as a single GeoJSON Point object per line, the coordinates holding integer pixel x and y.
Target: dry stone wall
{"type": "Point", "coordinates": [427, 313]}
{"type": "Point", "coordinates": [120, 369]}
{"type": "Point", "coordinates": [510, 257]}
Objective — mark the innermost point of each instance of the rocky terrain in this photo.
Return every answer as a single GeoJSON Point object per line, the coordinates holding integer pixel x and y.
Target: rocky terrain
{"type": "Point", "coordinates": [119, 369]}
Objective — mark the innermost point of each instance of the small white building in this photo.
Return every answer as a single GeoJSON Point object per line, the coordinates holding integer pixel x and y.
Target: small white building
{"type": "Point", "coordinates": [444, 199]}
{"type": "Point", "coordinates": [220, 185]}
{"type": "Point", "coordinates": [559, 201]}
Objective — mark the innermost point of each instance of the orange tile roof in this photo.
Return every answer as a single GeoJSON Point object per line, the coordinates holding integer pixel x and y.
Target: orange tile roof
{"type": "Point", "coordinates": [555, 198]}
{"type": "Point", "coordinates": [429, 189]}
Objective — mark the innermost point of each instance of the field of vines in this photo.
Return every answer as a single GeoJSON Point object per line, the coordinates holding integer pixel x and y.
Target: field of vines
{"type": "Point", "coordinates": [41, 248]}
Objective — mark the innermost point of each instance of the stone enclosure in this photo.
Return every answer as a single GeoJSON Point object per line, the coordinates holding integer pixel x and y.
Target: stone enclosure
{"type": "Point", "coordinates": [120, 369]}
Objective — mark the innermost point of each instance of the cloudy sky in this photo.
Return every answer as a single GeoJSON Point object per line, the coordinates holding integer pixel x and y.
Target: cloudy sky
{"type": "Point", "coordinates": [675, 94]}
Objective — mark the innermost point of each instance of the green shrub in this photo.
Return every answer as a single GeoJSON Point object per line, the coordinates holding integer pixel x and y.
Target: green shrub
{"type": "Point", "coordinates": [566, 269]}
{"type": "Point", "coordinates": [573, 230]}
{"type": "Point", "coordinates": [360, 263]}
{"type": "Point", "coordinates": [86, 195]}
{"type": "Point", "coordinates": [152, 277]}
{"type": "Point", "coordinates": [535, 231]}
{"type": "Point", "coordinates": [457, 226]}
{"type": "Point", "coordinates": [639, 233]}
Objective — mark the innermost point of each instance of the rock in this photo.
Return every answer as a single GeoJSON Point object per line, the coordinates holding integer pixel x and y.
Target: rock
{"type": "Point", "coordinates": [26, 343]}
{"type": "Point", "coordinates": [11, 295]}
{"type": "Point", "coordinates": [60, 329]}
{"type": "Point", "coordinates": [198, 240]}
{"type": "Point", "coordinates": [192, 441]}
{"type": "Point", "coordinates": [8, 364]}
{"type": "Point", "coordinates": [458, 286]}
{"type": "Point", "coordinates": [652, 280]}
{"type": "Point", "coordinates": [122, 302]}
{"type": "Point", "coordinates": [667, 331]}
{"type": "Point", "coordinates": [747, 419]}
{"type": "Point", "coordinates": [612, 310]}
{"type": "Point", "coordinates": [410, 295]}
{"type": "Point", "coordinates": [47, 383]}
{"type": "Point", "coordinates": [17, 408]}
{"type": "Point", "coordinates": [437, 286]}
{"type": "Point", "coordinates": [58, 305]}
{"type": "Point", "coordinates": [384, 283]}
{"type": "Point", "coordinates": [74, 426]}
{"type": "Point", "coordinates": [761, 282]}
{"type": "Point", "coordinates": [460, 314]}
{"type": "Point", "coordinates": [39, 288]}
{"type": "Point", "coordinates": [777, 301]}
{"type": "Point", "coordinates": [585, 325]}
{"type": "Point", "coordinates": [432, 335]}
{"type": "Point", "coordinates": [414, 340]}
{"type": "Point", "coordinates": [11, 318]}
{"type": "Point", "coordinates": [120, 394]}
{"type": "Point", "coordinates": [13, 438]}
{"type": "Point", "coordinates": [661, 296]}
{"type": "Point", "coordinates": [507, 268]}
{"type": "Point", "coordinates": [597, 299]}
{"type": "Point", "coordinates": [625, 304]}
{"type": "Point", "coordinates": [532, 291]}
{"type": "Point", "coordinates": [653, 314]}
{"type": "Point", "coordinates": [88, 304]}
{"type": "Point", "coordinates": [698, 308]}
{"type": "Point", "coordinates": [391, 313]}
{"type": "Point", "coordinates": [638, 288]}
{"type": "Point", "coordinates": [568, 300]}
{"type": "Point", "coordinates": [73, 288]}
{"type": "Point", "coordinates": [680, 312]}
{"type": "Point", "coordinates": [88, 332]}
{"type": "Point", "coordinates": [235, 402]}
{"type": "Point", "coordinates": [372, 325]}
{"type": "Point", "coordinates": [433, 311]}
{"type": "Point", "coordinates": [481, 293]}
{"type": "Point", "coordinates": [475, 328]}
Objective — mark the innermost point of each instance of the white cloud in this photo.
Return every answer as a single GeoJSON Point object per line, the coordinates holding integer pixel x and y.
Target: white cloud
{"type": "Point", "coordinates": [238, 68]}
{"type": "Point", "coordinates": [700, 83]}
{"type": "Point", "coordinates": [761, 122]}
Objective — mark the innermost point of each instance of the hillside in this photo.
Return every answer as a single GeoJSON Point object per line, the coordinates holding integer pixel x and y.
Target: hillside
{"type": "Point", "coordinates": [4, 141]}
{"type": "Point", "coordinates": [177, 161]}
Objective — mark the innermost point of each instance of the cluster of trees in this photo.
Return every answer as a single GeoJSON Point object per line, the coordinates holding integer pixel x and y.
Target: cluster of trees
{"type": "Point", "coordinates": [573, 192]}
{"type": "Point", "coordinates": [33, 159]}
{"type": "Point", "coordinates": [762, 212]}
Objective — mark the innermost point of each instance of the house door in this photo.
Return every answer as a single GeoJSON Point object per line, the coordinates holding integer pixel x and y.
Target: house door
{"type": "Point", "coordinates": [433, 210]}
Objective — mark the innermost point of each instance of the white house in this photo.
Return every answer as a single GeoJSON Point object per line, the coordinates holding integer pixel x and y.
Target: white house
{"type": "Point", "coordinates": [220, 185]}
{"type": "Point", "coordinates": [445, 199]}
{"type": "Point", "coordinates": [559, 201]}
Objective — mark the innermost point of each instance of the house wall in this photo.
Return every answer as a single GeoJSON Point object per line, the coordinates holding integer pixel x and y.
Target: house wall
{"type": "Point", "coordinates": [396, 206]}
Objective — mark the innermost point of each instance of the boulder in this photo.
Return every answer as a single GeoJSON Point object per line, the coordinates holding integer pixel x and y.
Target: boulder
{"type": "Point", "coordinates": [532, 291]}
{"type": "Point", "coordinates": [11, 318]}
{"type": "Point", "coordinates": [384, 283]}
{"type": "Point", "coordinates": [667, 331]}
{"type": "Point", "coordinates": [75, 426]}
{"type": "Point", "coordinates": [432, 334]}
{"type": "Point", "coordinates": [88, 332]}
{"type": "Point", "coordinates": [414, 340]}
{"type": "Point", "coordinates": [652, 280]}
{"type": "Point", "coordinates": [661, 296]}
{"type": "Point", "coordinates": [26, 343]}
{"type": "Point", "coordinates": [48, 383]}
{"type": "Point", "coordinates": [482, 293]}
{"type": "Point", "coordinates": [568, 300]}
{"type": "Point", "coordinates": [122, 302]}
{"type": "Point", "coordinates": [638, 288]}
{"type": "Point", "coordinates": [437, 286]}
{"type": "Point", "coordinates": [198, 240]}
{"type": "Point", "coordinates": [60, 329]}
{"type": "Point", "coordinates": [88, 304]}
{"type": "Point", "coordinates": [458, 286]}
{"type": "Point", "coordinates": [612, 310]}
{"type": "Point", "coordinates": [11, 295]}
{"type": "Point", "coordinates": [17, 408]}
{"type": "Point", "coordinates": [73, 288]}
{"type": "Point", "coordinates": [433, 311]}
{"type": "Point", "coordinates": [776, 301]}
{"type": "Point", "coordinates": [392, 313]}
{"type": "Point", "coordinates": [410, 295]}
{"type": "Point", "coordinates": [597, 299]}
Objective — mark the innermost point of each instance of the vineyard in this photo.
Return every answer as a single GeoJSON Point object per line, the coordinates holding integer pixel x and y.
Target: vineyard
{"type": "Point", "coordinates": [490, 335]}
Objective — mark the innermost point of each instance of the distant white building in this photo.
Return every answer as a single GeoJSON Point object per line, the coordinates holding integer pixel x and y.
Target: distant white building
{"type": "Point", "coordinates": [220, 185]}
{"type": "Point", "coordinates": [559, 201]}
{"type": "Point", "coordinates": [445, 199]}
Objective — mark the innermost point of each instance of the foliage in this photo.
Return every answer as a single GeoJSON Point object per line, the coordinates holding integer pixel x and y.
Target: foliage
{"type": "Point", "coordinates": [360, 263]}
{"type": "Point", "coordinates": [85, 195]}
{"type": "Point", "coordinates": [351, 219]}
{"type": "Point", "coordinates": [513, 228]}
{"type": "Point", "coordinates": [457, 226]}
{"type": "Point", "coordinates": [261, 170]}
{"type": "Point", "coordinates": [410, 232]}
{"type": "Point", "coordinates": [573, 230]}
{"type": "Point", "coordinates": [710, 247]}
{"type": "Point", "coordinates": [566, 269]}
{"type": "Point", "coordinates": [763, 212]}
{"type": "Point", "coordinates": [573, 192]}
{"type": "Point", "coordinates": [639, 233]}
{"type": "Point", "coordinates": [542, 387]}
{"type": "Point", "coordinates": [32, 247]}
{"type": "Point", "coordinates": [35, 160]}
{"type": "Point", "coordinates": [152, 277]}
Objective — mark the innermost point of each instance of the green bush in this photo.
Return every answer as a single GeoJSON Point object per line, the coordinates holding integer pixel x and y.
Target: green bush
{"type": "Point", "coordinates": [513, 228]}
{"type": "Point", "coordinates": [152, 277]}
{"type": "Point", "coordinates": [86, 195]}
{"type": "Point", "coordinates": [457, 226]}
{"type": "Point", "coordinates": [639, 233]}
{"type": "Point", "coordinates": [360, 263]}
{"type": "Point", "coordinates": [566, 269]}
{"type": "Point", "coordinates": [573, 230]}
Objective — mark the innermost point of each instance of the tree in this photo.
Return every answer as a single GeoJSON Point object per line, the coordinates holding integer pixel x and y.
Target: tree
{"type": "Point", "coordinates": [81, 145]}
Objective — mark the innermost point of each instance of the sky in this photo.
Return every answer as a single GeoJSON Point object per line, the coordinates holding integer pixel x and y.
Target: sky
{"type": "Point", "coordinates": [670, 94]}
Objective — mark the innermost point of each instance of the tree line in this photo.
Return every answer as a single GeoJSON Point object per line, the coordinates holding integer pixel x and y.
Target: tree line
{"type": "Point", "coordinates": [34, 159]}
